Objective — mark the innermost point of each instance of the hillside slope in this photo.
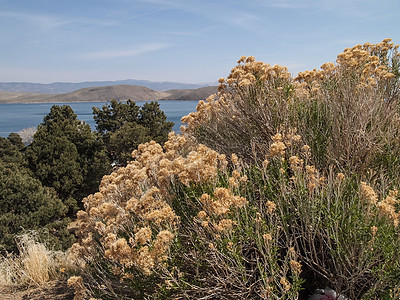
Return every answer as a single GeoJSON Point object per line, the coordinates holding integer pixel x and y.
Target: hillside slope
{"type": "Point", "coordinates": [191, 94]}
{"type": "Point", "coordinates": [108, 93]}
{"type": "Point", "coordinates": [94, 94]}
{"type": "Point", "coordinates": [68, 87]}
{"type": "Point", "coordinates": [14, 96]}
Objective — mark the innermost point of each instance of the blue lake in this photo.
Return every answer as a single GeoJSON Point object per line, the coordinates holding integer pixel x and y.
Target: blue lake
{"type": "Point", "coordinates": [17, 116]}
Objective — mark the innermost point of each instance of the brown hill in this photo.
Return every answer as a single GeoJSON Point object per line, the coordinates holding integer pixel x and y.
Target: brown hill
{"type": "Point", "coordinates": [107, 93]}
{"type": "Point", "coordinates": [117, 92]}
{"type": "Point", "coordinates": [191, 94]}
{"type": "Point", "coordinates": [7, 97]}
{"type": "Point", "coordinates": [95, 94]}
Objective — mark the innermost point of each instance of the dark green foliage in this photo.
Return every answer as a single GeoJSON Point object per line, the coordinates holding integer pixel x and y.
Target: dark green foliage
{"type": "Point", "coordinates": [114, 115]}
{"type": "Point", "coordinates": [16, 140]}
{"type": "Point", "coordinates": [122, 142]}
{"type": "Point", "coordinates": [155, 120]}
{"type": "Point", "coordinates": [124, 126]}
{"type": "Point", "coordinates": [67, 156]}
{"type": "Point", "coordinates": [25, 205]}
{"type": "Point", "coordinates": [9, 152]}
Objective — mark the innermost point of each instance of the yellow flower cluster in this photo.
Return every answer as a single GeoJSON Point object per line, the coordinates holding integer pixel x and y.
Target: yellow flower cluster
{"type": "Point", "coordinates": [267, 238]}
{"type": "Point", "coordinates": [369, 61]}
{"type": "Point", "coordinates": [204, 112]}
{"type": "Point", "coordinates": [217, 208]}
{"type": "Point", "coordinates": [225, 225]}
{"type": "Point", "coordinates": [294, 263]}
{"type": "Point", "coordinates": [340, 177]}
{"type": "Point", "coordinates": [313, 178]}
{"type": "Point", "coordinates": [386, 207]}
{"type": "Point", "coordinates": [281, 142]}
{"type": "Point", "coordinates": [76, 283]}
{"type": "Point", "coordinates": [296, 163]}
{"type": "Point", "coordinates": [222, 202]}
{"type": "Point", "coordinates": [277, 148]}
{"type": "Point", "coordinates": [285, 284]}
{"type": "Point", "coordinates": [270, 207]}
{"type": "Point", "coordinates": [296, 266]}
{"type": "Point", "coordinates": [249, 73]}
{"type": "Point", "coordinates": [143, 236]}
{"type": "Point", "coordinates": [131, 215]}
{"type": "Point", "coordinates": [368, 194]}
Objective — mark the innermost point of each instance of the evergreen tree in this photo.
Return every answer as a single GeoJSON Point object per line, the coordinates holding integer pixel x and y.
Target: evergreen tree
{"type": "Point", "coordinates": [123, 141]}
{"type": "Point", "coordinates": [10, 150]}
{"type": "Point", "coordinates": [25, 205]}
{"type": "Point", "coordinates": [66, 155]}
{"type": "Point", "coordinates": [114, 115]}
{"type": "Point", "coordinates": [124, 126]}
{"type": "Point", "coordinates": [153, 118]}
{"type": "Point", "coordinates": [16, 140]}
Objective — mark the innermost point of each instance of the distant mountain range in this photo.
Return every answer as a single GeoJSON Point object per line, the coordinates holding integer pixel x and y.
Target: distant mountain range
{"type": "Point", "coordinates": [107, 93]}
{"type": "Point", "coordinates": [67, 87]}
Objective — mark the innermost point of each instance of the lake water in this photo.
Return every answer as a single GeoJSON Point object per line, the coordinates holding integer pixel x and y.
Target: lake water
{"type": "Point", "coordinates": [17, 116]}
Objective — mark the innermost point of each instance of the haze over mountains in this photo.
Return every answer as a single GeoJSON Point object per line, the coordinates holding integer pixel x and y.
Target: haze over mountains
{"type": "Point", "coordinates": [67, 87]}
{"type": "Point", "coordinates": [98, 91]}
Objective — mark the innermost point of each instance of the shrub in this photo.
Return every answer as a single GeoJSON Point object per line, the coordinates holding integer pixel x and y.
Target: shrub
{"type": "Point", "coordinates": [347, 113]}
{"type": "Point", "coordinates": [26, 205]}
{"type": "Point", "coordinates": [270, 230]}
{"type": "Point", "coordinates": [277, 187]}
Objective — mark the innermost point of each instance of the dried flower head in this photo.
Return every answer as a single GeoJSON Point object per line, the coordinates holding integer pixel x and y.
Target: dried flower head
{"type": "Point", "coordinates": [143, 235]}
{"type": "Point", "coordinates": [295, 266]}
{"type": "Point", "coordinates": [285, 284]}
{"type": "Point", "coordinates": [340, 177]}
{"type": "Point", "coordinates": [270, 206]}
{"type": "Point", "coordinates": [267, 237]}
{"type": "Point", "coordinates": [374, 230]}
{"type": "Point", "coordinates": [368, 194]}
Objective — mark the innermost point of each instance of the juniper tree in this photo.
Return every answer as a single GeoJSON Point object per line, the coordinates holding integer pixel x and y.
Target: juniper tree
{"type": "Point", "coordinates": [123, 126]}
{"type": "Point", "coordinates": [66, 155]}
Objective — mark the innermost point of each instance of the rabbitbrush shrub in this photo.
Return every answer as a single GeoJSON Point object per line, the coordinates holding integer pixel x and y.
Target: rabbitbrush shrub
{"type": "Point", "coordinates": [278, 186]}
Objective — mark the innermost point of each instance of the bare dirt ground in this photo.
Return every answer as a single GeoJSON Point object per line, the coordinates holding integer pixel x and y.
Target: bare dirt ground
{"type": "Point", "coordinates": [54, 290]}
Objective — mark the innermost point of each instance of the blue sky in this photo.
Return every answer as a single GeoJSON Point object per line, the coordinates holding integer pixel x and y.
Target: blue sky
{"type": "Point", "coordinates": [180, 40]}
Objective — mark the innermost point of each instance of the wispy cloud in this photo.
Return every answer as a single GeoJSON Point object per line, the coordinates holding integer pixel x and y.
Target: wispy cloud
{"type": "Point", "coordinates": [295, 4]}
{"type": "Point", "coordinates": [244, 20]}
{"type": "Point", "coordinates": [289, 4]}
{"type": "Point", "coordinates": [282, 3]}
{"type": "Point", "coordinates": [193, 6]}
{"type": "Point", "coordinates": [40, 20]}
{"type": "Point", "coordinates": [142, 49]}
{"type": "Point", "coordinates": [46, 21]}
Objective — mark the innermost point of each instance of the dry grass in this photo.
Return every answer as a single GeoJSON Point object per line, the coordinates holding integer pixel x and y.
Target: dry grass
{"type": "Point", "coordinates": [34, 265]}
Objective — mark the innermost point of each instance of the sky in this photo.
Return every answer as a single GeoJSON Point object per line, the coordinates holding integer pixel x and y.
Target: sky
{"type": "Point", "coordinates": [189, 41]}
